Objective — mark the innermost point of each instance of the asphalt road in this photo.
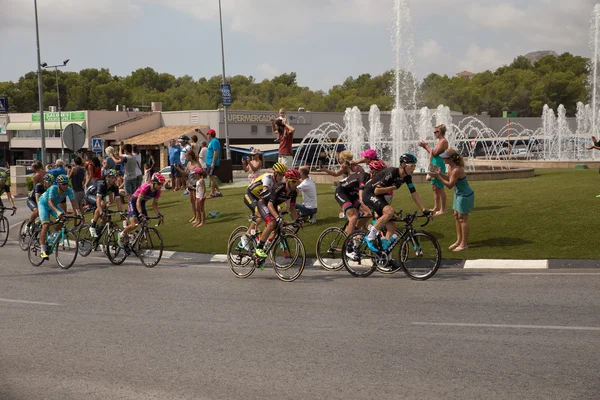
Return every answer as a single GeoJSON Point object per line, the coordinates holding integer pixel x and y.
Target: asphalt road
{"type": "Point", "coordinates": [182, 331]}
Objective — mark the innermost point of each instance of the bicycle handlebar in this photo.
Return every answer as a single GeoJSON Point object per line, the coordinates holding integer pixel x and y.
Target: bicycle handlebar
{"type": "Point", "coordinates": [14, 210]}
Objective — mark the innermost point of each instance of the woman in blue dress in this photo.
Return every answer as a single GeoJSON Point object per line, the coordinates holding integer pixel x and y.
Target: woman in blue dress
{"type": "Point", "coordinates": [464, 196]}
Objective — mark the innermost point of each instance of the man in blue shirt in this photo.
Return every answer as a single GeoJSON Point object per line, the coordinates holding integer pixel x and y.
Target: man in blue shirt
{"type": "Point", "coordinates": [213, 158]}
{"type": "Point", "coordinates": [59, 170]}
{"type": "Point", "coordinates": [175, 159]}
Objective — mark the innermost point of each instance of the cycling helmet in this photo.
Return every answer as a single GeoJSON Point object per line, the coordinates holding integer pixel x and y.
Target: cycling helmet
{"type": "Point", "coordinates": [408, 158]}
{"type": "Point", "coordinates": [3, 176]}
{"type": "Point", "coordinates": [49, 178]}
{"type": "Point", "coordinates": [158, 178]}
{"type": "Point", "coordinates": [111, 173]}
{"type": "Point", "coordinates": [377, 165]}
{"type": "Point", "coordinates": [62, 179]}
{"type": "Point", "coordinates": [184, 137]}
{"type": "Point", "coordinates": [279, 168]}
{"type": "Point", "coordinates": [292, 174]}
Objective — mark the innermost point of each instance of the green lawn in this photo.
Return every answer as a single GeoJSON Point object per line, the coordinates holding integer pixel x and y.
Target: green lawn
{"type": "Point", "coordinates": [549, 216]}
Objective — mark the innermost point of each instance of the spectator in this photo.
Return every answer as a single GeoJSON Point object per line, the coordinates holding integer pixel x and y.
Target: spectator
{"type": "Point", "coordinates": [195, 145]}
{"type": "Point", "coordinates": [464, 196]}
{"type": "Point", "coordinates": [147, 173]}
{"type": "Point", "coordinates": [174, 159]}
{"type": "Point", "coordinates": [439, 194]}
{"type": "Point", "coordinates": [111, 161]}
{"type": "Point", "coordinates": [129, 165]}
{"type": "Point", "coordinates": [150, 163]}
{"type": "Point", "coordinates": [138, 169]}
{"type": "Point", "coordinates": [367, 156]}
{"type": "Point", "coordinates": [308, 207]}
{"type": "Point", "coordinates": [253, 166]}
{"type": "Point", "coordinates": [191, 164]}
{"type": "Point", "coordinates": [213, 158]}
{"type": "Point", "coordinates": [93, 169]}
{"type": "Point", "coordinates": [184, 142]}
{"type": "Point", "coordinates": [346, 166]}
{"type": "Point", "coordinates": [202, 154]}
{"type": "Point", "coordinates": [200, 196]}
{"type": "Point", "coordinates": [285, 133]}
{"type": "Point", "coordinates": [77, 177]}
{"type": "Point", "coordinates": [59, 169]}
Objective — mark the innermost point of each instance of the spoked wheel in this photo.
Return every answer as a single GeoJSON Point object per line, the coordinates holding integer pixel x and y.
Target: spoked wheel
{"type": "Point", "coordinates": [114, 252]}
{"type": "Point", "coordinates": [24, 235]}
{"type": "Point", "coordinates": [420, 255]}
{"type": "Point", "coordinates": [86, 241]}
{"type": "Point", "coordinates": [34, 249]}
{"type": "Point", "coordinates": [66, 248]}
{"type": "Point", "coordinates": [240, 256]}
{"type": "Point", "coordinates": [3, 231]}
{"type": "Point", "coordinates": [362, 263]}
{"type": "Point", "coordinates": [288, 256]}
{"type": "Point", "coordinates": [149, 247]}
{"type": "Point", "coordinates": [237, 230]}
{"type": "Point", "coordinates": [329, 248]}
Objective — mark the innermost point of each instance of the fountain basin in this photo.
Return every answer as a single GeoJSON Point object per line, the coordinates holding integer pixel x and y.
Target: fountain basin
{"type": "Point", "coordinates": [533, 163]}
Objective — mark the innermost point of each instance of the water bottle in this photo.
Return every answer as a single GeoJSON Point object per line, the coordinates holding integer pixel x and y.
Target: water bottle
{"type": "Point", "coordinates": [214, 214]}
{"type": "Point", "coordinates": [52, 238]}
{"type": "Point", "coordinates": [394, 238]}
{"type": "Point", "coordinates": [131, 236]}
{"type": "Point", "coordinates": [124, 223]}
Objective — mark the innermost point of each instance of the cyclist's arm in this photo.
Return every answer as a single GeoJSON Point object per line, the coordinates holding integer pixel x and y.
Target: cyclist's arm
{"type": "Point", "coordinates": [155, 206]}
{"type": "Point", "coordinates": [10, 199]}
{"type": "Point", "coordinates": [418, 201]}
{"type": "Point", "coordinates": [53, 207]}
{"type": "Point", "coordinates": [138, 204]}
{"type": "Point", "coordinates": [273, 209]}
{"type": "Point", "coordinates": [100, 204]}
{"type": "Point", "coordinates": [383, 190]}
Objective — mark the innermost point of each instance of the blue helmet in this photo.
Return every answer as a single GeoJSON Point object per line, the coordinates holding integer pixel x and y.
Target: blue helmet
{"type": "Point", "coordinates": [62, 179]}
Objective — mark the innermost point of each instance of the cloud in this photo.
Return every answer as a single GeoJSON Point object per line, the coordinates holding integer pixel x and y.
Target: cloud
{"type": "Point", "coordinates": [62, 15]}
{"type": "Point", "coordinates": [267, 71]}
{"type": "Point", "coordinates": [479, 59]}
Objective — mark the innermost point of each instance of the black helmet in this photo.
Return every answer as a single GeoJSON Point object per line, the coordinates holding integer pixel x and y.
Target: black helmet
{"type": "Point", "coordinates": [408, 158]}
{"type": "Point", "coordinates": [184, 137]}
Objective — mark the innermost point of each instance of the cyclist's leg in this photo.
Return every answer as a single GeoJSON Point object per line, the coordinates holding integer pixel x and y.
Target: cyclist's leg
{"type": "Point", "coordinates": [365, 213]}
{"type": "Point", "coordinates": [271, 224]}
{"type": "Point", "coordinates": [385, 212]}
{"type": "Point", "coordinates": [352, 216]}
{"type": "Point", "coordinates": [250, 201]}
{"type": "Point", "coordinates": [347, 204]}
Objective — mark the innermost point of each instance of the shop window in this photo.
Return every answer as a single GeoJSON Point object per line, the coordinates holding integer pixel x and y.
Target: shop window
{"type": "Point", "coordinates": [254, 129]}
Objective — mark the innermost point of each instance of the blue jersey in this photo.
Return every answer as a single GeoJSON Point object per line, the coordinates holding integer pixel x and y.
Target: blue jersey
{"type": "Point", "coordinates": [52, 194]}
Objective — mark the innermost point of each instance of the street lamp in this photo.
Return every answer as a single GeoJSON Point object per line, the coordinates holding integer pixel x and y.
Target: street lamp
{"type": "Point", "coordinates": [56, 67]}
{"type": "Point", "coordinates": [227, 150]}
{"type": "Point", "coordinates": [40, 87]}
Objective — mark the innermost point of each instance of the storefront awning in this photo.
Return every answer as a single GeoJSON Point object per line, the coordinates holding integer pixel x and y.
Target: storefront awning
{"type": "Point", "coordinates": [268, 149]}
{"type": "Point", "coordinates": [35, 126]}
{"type": "Point", "coordinates": [162, 135]}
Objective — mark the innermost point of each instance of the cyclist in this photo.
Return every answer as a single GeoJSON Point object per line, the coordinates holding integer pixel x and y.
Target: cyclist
{"type": "Point", "coordinates": [49, 204]}
{"type": "Point", "coordinates": [96, 195]}
{"type": "Point", "coordinates": [256, 188]}
{"type": "Point", "coordinates": [281, 192]}
{"type": "Point", "coordinates": [374, 193]}
{"type": "Point", "coordinates": [5, 188]}
{"type": "Point", "coordinates": [136, 207]}
{"type": "Point", "coordinates": [34, 197]}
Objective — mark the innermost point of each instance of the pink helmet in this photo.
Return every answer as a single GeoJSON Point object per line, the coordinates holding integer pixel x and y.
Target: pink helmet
{"type": "Point", "coordinates": [158, 178]}
{"type": "Point", "coordinates": [377, 165]}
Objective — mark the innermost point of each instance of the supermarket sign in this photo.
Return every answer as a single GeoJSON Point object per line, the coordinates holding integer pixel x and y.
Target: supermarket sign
{"type": "Point", "coordinates": [65, 116]}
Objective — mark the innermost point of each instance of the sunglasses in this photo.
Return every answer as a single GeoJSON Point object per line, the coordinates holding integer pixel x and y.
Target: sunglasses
{"type": "Point", "coordinates": [293, 180]}
{"type": "Point", "coordinates": [411, 165]}
{"type": "Point", "coordinates": [436, 131]}
{"type": "Point", "coordinates": [63, 184]}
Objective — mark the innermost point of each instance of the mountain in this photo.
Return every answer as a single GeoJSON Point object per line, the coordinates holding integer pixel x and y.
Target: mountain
{"type": "Point", "coordinates": [536, 55]}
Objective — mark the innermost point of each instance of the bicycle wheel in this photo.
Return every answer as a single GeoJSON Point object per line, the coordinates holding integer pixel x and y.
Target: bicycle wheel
{"type": "Point", "coordinates": [329, 248]}
{"type": "Point", "coordinates": [150, 247]}
{"type": "Point", "coordinates": [114, 252]}
{"type": "Point", "coordinates": [288, 257]}
{"type": "Point", "coordinates": [34, 249]}
{"type": "Point", "coordinates": [362, 264]}
{"type": "Point", "coordinates": [3, 231]}
{"type": "Point", "coordinates": [66, 248]}
{"type": "Point", "coordinates": [240, 257]}
{"type": "Point", "coordinates": [420, 255]}
{"type": "Point", "coordinates": [236, 231]}
{"type": "Point", "coordinates": [86, 241]}
{"type": "Point", "coordinates": [24, 235]}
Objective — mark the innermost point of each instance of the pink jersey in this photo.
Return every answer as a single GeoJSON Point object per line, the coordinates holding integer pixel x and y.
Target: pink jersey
{"type": "Point", "coordinates": [146, 193]}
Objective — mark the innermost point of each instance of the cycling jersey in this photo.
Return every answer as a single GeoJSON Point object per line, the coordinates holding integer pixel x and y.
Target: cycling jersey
{"type": "Point", "coordinates": [146, 193]}
{"type": "Point", "coordinates": [38, 188]}
{"type": "Point", "coordinates": [52, 195]}
{"type": "Point", "coordinates": [4, 189]}
{"type": "Point", "coordinates": [257, 186]}
{"type": "Point", "coordinates": [279, 194]}
{"type": "Point", "coordinates": [101, 188]}
{"type": "Point", "coordinates": [354, 182]}
{"type": "Point", "coordinates": [389, 177]}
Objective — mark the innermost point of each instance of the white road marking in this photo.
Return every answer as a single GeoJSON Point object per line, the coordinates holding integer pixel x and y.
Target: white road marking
{"type": "Point", "coordinates": [29, 302]}
{"type": "Point", "coordinates": [506, 264]}
{"type": "Point", "coordinates": [554, 273]}
{"type": "Point", "coordinates": [507, 326]}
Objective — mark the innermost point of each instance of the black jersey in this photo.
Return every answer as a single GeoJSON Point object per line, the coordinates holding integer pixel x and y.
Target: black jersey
{"type": "Point", "coordinates": [390, 177]}
{"type": "Point", "coordinates": [279, 194]}
{"type": "Point", "coordinates": [354, 182]}
{"type": "Point", "coordinates": [37, 189]}
{"type": "Point", "coordinates": [101, 188]}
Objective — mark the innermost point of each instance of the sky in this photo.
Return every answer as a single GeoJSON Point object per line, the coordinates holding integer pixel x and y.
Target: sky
{"type": "Point", "coordinates": [323, 41]}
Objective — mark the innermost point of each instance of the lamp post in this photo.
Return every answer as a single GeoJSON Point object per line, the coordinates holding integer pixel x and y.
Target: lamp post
{"type": "Point", "coordinates": [227, 150]}
{"type": "Point", "coordinates": [40, 87]}
{"type": "Point", "coordinates": [56, 67]}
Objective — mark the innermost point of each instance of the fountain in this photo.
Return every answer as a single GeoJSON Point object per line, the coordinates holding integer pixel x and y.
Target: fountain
{"type": "Point", "coordinates": [553, 142]}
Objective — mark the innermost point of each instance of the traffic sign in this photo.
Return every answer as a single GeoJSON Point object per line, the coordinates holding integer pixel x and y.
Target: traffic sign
{"type": "Point", "coordinates": [97, 145]}
{"type": "Point", "coordinates": [3, 105]}
{"type": "Point", "coordinates": [226, 94]}
{"type": "Point", "coordinates": [74, 137]}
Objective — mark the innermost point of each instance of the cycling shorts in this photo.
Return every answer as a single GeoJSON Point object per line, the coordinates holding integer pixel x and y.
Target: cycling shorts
{"type": "Point", "coordinates": [132, 209]}
{"type": "Point", "coordinates": [32, 204]}
{"type": "Point", "coordinates": [375, 203]}
{"type": "Point", "coordinates": [45, 212]}
{"type": "Point", "coordinates": [347, 200]}
{"type": "Point", "coordinates": [263, 210]}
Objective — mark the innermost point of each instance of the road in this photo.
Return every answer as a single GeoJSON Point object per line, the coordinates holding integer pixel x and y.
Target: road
{"type": "Point", "coordinates": [182, 331]}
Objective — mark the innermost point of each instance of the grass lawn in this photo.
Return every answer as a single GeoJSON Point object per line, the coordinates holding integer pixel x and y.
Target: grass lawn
{"type": "Point", "coordinates": [548, 216]}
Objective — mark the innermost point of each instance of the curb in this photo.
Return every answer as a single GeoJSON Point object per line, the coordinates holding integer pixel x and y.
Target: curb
{"type": "Point", "coordinates": [461, 264]}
